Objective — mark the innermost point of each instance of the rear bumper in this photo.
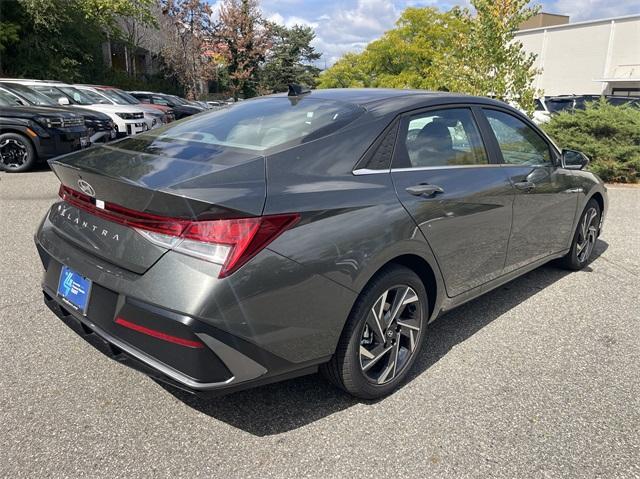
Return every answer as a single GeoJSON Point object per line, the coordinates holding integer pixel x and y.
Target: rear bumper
{"type": "Point", "coordinates": [241, 369]}
{"type": "Point", "coordinates": [225, 363]}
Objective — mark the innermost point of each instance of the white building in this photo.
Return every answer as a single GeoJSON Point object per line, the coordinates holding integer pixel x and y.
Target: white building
{"type": "Point", "coordinates": [594, 57]}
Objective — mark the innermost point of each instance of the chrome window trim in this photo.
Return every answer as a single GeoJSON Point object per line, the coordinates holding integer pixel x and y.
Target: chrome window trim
{"type": "Point", "coordinates": [368, 171]}
{"type": "Point", "coordinates": [446, 167]}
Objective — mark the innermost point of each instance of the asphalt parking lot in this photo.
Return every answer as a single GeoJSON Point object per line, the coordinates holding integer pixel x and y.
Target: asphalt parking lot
{"type": "Point", "coordinates": [540, 378]}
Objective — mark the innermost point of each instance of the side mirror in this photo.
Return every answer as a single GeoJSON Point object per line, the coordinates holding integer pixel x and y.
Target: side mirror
{"type": "Point", "coordinates": [574, 160]}
{"type": "Point", "coordinates": [63, 100]}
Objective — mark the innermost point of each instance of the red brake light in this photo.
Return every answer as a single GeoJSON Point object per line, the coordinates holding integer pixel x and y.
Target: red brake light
{"type": "Point", "coordinates": [245, 236]}
{"type": "Point", "coordinates": [228, 242]}
{"type": "Point", "coordinates": [124, 216]}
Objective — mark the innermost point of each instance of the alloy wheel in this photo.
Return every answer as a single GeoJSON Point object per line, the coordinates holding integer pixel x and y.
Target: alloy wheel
{"type": "Point", "coordinates": [390, 334]}
{"type": "Point", "coordinates": [13, 153]}
{"type": "Point", "coordinates": [587, 235]}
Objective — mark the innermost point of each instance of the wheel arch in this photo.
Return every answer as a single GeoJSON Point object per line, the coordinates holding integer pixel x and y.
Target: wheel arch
{"type": "Point", "coordinates": [428, 273]}
{"type": "Point", "coordinates": [599, 199]}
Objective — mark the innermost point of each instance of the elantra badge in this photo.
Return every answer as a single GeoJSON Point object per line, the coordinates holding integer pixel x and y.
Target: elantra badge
{"type": "Point", "coordinates": [86, 187]}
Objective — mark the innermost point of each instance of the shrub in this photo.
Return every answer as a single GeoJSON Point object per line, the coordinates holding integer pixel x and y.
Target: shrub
{"type": "Point", "coordinates": [609, 135]}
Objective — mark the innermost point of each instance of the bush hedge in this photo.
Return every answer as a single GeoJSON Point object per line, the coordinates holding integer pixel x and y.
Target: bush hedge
{"type": "Point", "coordinates": [609, 135]}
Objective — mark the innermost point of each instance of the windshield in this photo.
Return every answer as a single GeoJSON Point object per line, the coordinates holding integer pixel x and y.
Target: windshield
{"type": "Point", "coordinates": [7, 99]}
{"type": "Point", "coordinates": [130, 99]}
{"type": "Point", "coordinates": [178, 100]}
{"type": "Point", "coordinates": [84, 97]}
{"type": "Point", "coordinates": [32, 96]}
{"type": "Point", "coordinates": [256, 125]}
{"type": "Point", "coordinates": [113, 96]}
{"type": "Point", "coordinates": [52, 92]}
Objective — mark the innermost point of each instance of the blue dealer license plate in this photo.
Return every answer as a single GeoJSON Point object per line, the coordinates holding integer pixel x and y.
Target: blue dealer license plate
{"type": "Point", "coordinates": [74, 289]}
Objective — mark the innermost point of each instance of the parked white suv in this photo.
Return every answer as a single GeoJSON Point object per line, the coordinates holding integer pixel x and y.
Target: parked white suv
{"type": "Point", "coordinates": [152, 117]}
{"type": "Point", "coordinates": [128, 119]}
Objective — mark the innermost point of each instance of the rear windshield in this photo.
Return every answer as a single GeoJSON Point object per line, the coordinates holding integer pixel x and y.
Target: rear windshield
{"type": "Point", "coordinates": [256, 125]}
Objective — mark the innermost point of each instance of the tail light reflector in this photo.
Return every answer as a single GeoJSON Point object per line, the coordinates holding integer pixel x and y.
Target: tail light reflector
{"type": "Point", "coordinates": [227, 242]}
{"type": "Point", "coordinates": [159, 334]}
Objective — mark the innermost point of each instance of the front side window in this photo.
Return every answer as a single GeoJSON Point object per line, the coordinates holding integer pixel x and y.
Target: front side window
{"type": "Point", "coordinates": [442, 138]}
{"type": "Point", "coordinates": [519, 143]}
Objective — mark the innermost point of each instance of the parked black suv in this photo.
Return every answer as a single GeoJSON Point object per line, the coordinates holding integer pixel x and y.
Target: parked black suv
{"type": "Point", "coordinates": [29, 134]}
{"type": "Point", "coordinates": [180, 110]}
{"type": "Point", "coordinates": [101, 128]}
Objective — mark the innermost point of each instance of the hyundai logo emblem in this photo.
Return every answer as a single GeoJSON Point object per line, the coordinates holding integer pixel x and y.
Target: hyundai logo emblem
{"type": "Point", "coordinates": [86, 187]}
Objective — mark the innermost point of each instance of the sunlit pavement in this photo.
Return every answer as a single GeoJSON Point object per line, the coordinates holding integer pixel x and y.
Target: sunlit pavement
{"type": "Point", "coordinates": [540, 378]}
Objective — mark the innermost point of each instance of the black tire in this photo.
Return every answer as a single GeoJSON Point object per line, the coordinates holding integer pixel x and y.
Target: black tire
{"type": "Point", "coordinates": [582, 247]}
{"type": "Point", "coordinates": [16, 153]}
{"type": "Point", "coordinates": [346, 368]}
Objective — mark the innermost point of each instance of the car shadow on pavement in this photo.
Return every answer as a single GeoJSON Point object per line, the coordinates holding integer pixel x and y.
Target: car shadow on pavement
{"type": "Point", "coordinates": [288, 405]}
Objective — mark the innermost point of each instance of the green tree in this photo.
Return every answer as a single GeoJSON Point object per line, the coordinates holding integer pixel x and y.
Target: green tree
{"type": "Point", "coordinates": [350, 71]}
{"type": "Point", "coordinates": [419, 53]}
{"type": "Point", "coordinates": [609, 135]}
{"type": "Point", "coordinates": [61, 39]}
{"type": "Point", "coordinates": [8, 34]}
{"type": "Point", "coordinates": [474, 53]}
{"type": "Point", "coordinates": [494, 61]}
{"type": "Point", "coordinates": [290, 59]}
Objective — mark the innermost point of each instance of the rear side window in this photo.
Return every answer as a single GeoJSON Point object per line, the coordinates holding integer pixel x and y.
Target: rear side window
{"type": "Point", "coordinates": [261, 124]}
{"type": "Point", "coordinates": [441, 138]}
{"type": "Point", "coordinates": [519, 143]}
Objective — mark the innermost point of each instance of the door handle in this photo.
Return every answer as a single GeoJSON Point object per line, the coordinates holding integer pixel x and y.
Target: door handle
{"type": "Point", "coordinates": [525, 185]}
{"type": "Point", "coordinates": [424, 190]}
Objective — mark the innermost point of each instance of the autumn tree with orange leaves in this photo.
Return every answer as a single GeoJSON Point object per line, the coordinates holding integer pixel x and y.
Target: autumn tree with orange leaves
{"type": "Point", "coordinates": [186, 26]}
{"type": "Point", "coordinates": [243, 38]}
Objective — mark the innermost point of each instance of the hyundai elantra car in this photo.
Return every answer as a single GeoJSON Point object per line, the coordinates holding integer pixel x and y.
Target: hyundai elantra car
{"type": "Point", "coordinates": [314, 230]}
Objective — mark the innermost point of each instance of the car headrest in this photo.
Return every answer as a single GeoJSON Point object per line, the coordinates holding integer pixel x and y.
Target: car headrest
{"type": "Point", "coordinates": [436, 136]}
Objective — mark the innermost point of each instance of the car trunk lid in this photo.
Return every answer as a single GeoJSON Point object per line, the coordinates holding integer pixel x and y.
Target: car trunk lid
{"type": "Point", "coordinates": [151, 183]}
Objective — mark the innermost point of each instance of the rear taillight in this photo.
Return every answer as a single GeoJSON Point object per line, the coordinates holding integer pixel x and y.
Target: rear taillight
{"type": "Point", "coordinates": [227, 242]}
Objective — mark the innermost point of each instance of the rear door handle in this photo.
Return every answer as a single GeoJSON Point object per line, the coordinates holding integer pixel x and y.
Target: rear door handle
{"type": "Point", "coordinates": [525, 185]}
{"type": "Point", "coordinates": [424, 190]}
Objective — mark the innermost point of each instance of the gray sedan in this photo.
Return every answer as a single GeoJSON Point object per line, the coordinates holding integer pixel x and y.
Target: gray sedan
{"type": "Point", "coordinates": [311, 230]}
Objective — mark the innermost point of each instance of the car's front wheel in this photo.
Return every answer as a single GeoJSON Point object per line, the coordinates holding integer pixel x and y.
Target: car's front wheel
{"type": "Point", "coordinates": [16, 153]}
{"type": "Point", "coordinates": [383, 335]}
{"type": "Point", "coordinates": [584, 239]}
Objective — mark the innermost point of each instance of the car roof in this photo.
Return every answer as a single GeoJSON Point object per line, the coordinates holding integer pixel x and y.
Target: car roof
{"type": "Point", "coordinates": [382, 101]}
{"type": "Point", "coordinates": [364, 96]}
{"type": "Point", "coordinates": [22, 81]}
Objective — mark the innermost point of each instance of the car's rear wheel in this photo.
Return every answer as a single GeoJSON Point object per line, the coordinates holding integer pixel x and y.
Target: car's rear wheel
{"type": "Point", "coordinates": [383, 335]}
{"type": "Point", "coordinates": [584, 239]}
{"type": "Point", "coordinates": [16, 153]}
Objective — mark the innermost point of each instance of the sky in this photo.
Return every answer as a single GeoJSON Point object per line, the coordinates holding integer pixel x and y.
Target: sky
{"type": "Point", "coordinates": [348, 25]}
